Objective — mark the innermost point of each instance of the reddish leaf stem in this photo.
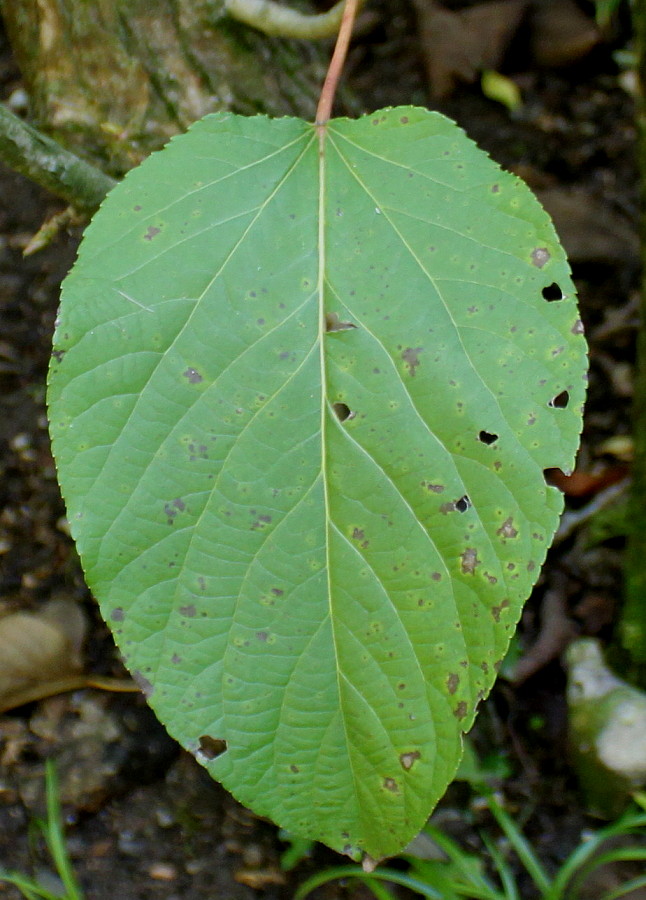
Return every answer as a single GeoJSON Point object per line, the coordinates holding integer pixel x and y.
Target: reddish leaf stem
{"type": "Point", "coordinates": [324, 110]}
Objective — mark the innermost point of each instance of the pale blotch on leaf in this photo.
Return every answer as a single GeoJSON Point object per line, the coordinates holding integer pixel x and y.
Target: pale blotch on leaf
{"type": "Point", "coordinates": [142, 683]}
{"type": "Point", "coordinates": [507, 529]}
{"type": "Point", "coordinates": [540, 257]}
{"type": "Point", "coordinates": [408, 759]}
{"type": "Point", "coordinates": [469, 560]}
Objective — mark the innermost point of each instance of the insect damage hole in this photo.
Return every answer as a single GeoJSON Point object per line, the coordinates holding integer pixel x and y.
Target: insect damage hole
{"type": "Point", "coordinates": [560, 401]}
{"type": "Point", "coordinates": [333, 323]}
{"type": "Point", "coordinates": [463, 504]}
{"type": "Point", "coordinates": [487, 437]}
{"type": "Point", "coordinates": [556, 478]}
{"type": "Point", "coordinates": [343, 412]}
{"type": "Point", "coordinates": [552, 292]}
{"type": "Point", "coordinates": [211, 748]}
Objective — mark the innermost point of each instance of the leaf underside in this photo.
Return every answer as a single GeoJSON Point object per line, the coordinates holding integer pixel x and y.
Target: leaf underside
{"type": "Point", "coordinates": [302, 398]}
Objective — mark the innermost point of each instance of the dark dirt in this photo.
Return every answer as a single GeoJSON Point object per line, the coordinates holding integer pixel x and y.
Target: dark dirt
{"type": "Point", "coordinates": [144, 820]}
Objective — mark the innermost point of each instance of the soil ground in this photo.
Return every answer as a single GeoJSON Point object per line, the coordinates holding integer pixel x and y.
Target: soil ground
{"type": "Point", "coordinates": [144, 821]}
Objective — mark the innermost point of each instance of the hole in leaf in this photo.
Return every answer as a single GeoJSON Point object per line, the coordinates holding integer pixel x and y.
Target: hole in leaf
{"type": "Point", "coordinates": [463, 504]}
{"type": "Point", "coordinates": [333, 323]}
{"type": "Point", "coordinates": [552, 292]}
{"type": "Point", "coordinates": [556, 478]}
{"type": "Point", "coordinates": [560, 401]}
{"type": "Point", "coordinates": [487, 437]}
{"type": "Point", "coordinates": [343, 411]}
{"type": "Point", "coordinates": [210, 748]}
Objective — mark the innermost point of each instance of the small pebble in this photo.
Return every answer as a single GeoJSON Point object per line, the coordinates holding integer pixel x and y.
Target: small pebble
{"type": "Point", "coordinates": [163, 872]}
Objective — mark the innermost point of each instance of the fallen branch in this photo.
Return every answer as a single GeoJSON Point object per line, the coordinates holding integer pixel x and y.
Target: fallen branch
{"type": "Point", "coordinates": [28, 151]}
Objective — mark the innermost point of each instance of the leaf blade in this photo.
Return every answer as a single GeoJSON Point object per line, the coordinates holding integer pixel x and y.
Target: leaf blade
{"type": "Point", "coordinates": [304, 485]}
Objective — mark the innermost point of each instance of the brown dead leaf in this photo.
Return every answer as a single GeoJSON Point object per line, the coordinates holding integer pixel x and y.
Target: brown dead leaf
{"type": "Point", "coordinates": [40, 655]}
{"type": "Point", "coordinates": [457, 45]}
{"type": "Point", "coordinates": [589, 228]}
{"type": "Point", "coordinates": [561, 32]}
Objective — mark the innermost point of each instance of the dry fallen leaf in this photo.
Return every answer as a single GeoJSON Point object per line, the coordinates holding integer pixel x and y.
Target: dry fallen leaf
{"type": "Point", "coordinates": [561, 33]}
{"type": "Point", "coordinates": [40, 655]}
{"type": "Point", "coordinates": [457, 45]}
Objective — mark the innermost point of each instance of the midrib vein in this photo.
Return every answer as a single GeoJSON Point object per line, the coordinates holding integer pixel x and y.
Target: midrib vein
{"type": "Point", "coordinates": [324, 404]}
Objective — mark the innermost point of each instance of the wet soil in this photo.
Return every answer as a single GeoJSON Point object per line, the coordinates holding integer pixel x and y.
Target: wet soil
{"type": "Point", "coordinates": [144, 820]}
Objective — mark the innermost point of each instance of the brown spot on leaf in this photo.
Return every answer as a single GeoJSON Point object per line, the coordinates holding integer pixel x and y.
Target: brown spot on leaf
{"type": "Point", "coordinates": [358, 534]}
{"type": "Point", "coordinates": [409, 759]}
{"type": "Point", "coordinates": [151, 233]}
{"type": "Point", "coordinates": [470, 561]}
{"type": "Point", "coordinates": [496, 610]}
{"type": "Point", "coordinates": [277, 592]}
{"type": "Point", "coordinates": [391, 785]}
{"type": "Point", "coordinates": [211, 747]}
{"type": "Point", "coordinates": [540, 256]}
{"type": "Point", "coordinates": [262, 636]}
{"type": "Point", "coordinates": [452, 682]}
{"type": "Point", "coordinates": [117, 614]}
{"type": "Point", "coordinates": [460, 710]}
{"type": "Point", "coordinates": [411, 357]}
{"type": "Point", "coordinates": [435, 488]}
{"type": "Point", "coordinates": [176, 658]}
{"type": "Point", "coordinates": [577, 328]}
{"type": "Point", "coordinates": [193, 376]}
{"type": "Point", "coordinates": [260, 522]}
{"type": "Point", "coordinates": [507, 529]}
{"type": "Point", "coordinates": [188, 611]}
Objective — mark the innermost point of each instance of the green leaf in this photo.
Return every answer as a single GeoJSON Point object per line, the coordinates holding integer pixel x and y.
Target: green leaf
{"type": "Point", "coordinates": [302, 396]}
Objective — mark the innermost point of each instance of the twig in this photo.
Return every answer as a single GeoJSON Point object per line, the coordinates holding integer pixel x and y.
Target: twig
{"type": "Point", "coordinates": [324, 110]}
{"type": "Point", "coordinates": [282, 21]}
{"type": "Point", "coordinates": [570, 521]}
{"type": "Point", "coordinates": [41, 159]}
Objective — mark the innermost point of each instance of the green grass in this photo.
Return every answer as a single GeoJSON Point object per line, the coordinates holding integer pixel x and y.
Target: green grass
{"type": "Point", "coordinates": [54, 835]}
{"type": "Point", "coordinates": [463, 875]}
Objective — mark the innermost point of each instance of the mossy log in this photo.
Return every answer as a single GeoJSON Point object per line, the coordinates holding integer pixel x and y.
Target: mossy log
{"type": "Point", "coordinates": [113, 80]}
